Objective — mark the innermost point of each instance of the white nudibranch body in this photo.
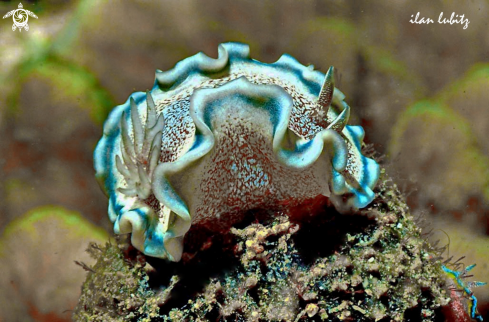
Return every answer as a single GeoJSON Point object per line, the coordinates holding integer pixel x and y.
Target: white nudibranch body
{"type": "Point", "coordinates": [216, 137]}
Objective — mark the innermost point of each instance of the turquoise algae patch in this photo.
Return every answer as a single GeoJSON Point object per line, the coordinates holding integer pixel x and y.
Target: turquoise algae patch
{"type": "Point", "coordinates": [214, 138]}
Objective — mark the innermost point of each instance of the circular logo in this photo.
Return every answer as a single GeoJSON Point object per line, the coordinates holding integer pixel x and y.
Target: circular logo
{"type": "Point", "coordinates": [20, 18]}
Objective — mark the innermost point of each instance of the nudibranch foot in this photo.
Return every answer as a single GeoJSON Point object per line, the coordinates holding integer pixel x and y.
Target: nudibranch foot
{"type": "Point", "coordinates": [217, 137]}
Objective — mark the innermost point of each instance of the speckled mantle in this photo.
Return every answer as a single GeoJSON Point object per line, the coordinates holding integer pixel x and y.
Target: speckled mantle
{"type": "Point", "coordinates": [217, 137]}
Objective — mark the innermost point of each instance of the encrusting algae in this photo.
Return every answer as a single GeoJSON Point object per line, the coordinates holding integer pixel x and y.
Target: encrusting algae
{"type": "Point", "coordinates": [308, 265]}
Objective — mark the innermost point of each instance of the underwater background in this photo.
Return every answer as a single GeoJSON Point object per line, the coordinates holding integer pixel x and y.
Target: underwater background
{"type": "Point", "coordinates": [419, 91]}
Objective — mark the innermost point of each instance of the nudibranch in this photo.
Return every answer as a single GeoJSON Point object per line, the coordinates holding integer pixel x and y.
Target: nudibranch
{"type": "Point", "coordinates": [465, 288]}
{"type": "Point", "coordinates": [216, 137]}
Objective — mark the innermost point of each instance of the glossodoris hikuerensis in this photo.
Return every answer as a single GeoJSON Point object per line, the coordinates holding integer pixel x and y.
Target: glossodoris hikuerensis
{"type": "Point", "coordinates": [216, 137]}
